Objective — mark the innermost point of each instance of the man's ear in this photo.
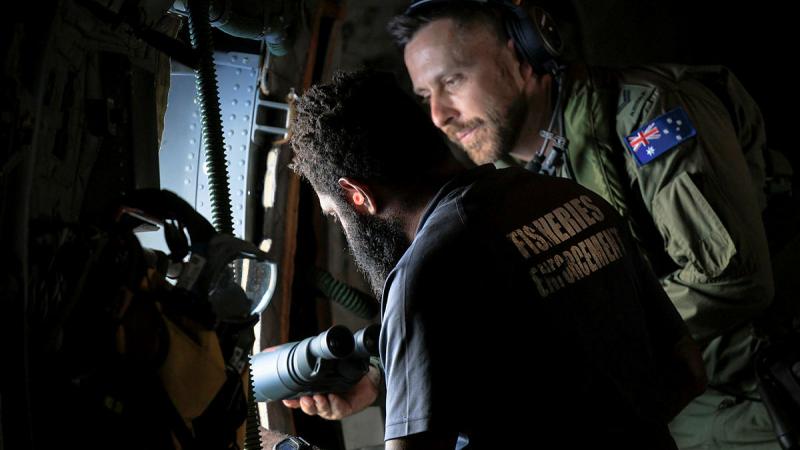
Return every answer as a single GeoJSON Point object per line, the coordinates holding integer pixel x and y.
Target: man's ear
{"type": "Point", "coordinates": [358, 195]}
{"type": "Point", "coordinates": [525, 69]}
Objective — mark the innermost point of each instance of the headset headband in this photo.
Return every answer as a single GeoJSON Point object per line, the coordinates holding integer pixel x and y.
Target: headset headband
{"type": "Point", "coordinates": [537, 42]}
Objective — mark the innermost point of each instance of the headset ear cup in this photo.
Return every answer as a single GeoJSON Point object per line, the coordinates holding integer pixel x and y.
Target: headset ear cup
{"type": "Point", "coordinates": [531, 45]}
{"type": "Point", "coordinates": [525, 41]}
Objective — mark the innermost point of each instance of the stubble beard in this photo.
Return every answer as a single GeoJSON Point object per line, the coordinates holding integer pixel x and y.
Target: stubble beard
{"type": "Point", "coordinates": [496, 135]}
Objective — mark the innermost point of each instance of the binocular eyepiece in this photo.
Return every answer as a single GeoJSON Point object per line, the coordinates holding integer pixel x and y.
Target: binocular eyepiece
{"type": "Point", "coordinates": [332, 361]}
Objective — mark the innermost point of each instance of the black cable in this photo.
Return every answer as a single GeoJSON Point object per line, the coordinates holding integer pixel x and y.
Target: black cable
{"type": "Point", "coordinates": [540, 163]}
{"type": "Point", "coordinates": [353, 300]}
{"type": "Point", "coordinates": [252, 440]}
{"type": "Point", "coordinates": [211, 118]}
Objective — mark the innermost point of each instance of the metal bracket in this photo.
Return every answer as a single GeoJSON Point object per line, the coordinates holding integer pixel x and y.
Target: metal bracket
{"type": "Point", "coordinates": [264, 128]}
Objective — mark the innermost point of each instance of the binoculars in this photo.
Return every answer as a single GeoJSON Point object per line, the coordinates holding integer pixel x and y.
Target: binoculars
{"type": "Point", "coordinates": [333, 361]}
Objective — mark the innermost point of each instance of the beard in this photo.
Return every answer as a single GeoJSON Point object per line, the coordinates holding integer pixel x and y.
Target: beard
{"type": "Point", "coordinates": [376, 245]}
{"type": "Point", "coordinates": [495, 135]}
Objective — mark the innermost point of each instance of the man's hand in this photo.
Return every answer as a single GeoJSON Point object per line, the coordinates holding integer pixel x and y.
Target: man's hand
{"type": "Point", "coordinates": [339, 406]}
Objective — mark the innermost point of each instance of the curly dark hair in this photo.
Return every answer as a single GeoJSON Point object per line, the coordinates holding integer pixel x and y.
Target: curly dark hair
{"type": "Point", "coordinates": [364, 126]}
{"type": "Point", "coordinates": [467, 13]}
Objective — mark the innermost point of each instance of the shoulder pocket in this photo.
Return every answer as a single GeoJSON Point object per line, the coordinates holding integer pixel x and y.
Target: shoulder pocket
{"type": "Point", "coordinates": [634, 105]}
{"type": "Point", "coordinates": [694, 236]}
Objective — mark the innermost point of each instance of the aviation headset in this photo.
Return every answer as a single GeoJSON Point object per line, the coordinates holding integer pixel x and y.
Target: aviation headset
{"type": "Point", "coordinates": [537, 41]}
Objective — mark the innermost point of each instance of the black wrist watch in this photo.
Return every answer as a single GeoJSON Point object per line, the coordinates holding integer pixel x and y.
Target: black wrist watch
{"type": "Point", "coordinates": [292, 443]}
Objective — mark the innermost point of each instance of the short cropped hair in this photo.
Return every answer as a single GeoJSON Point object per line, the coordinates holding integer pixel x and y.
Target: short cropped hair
{"type": "Point", "coordinates": [403, 27]}
{"type": "Point", "coordinates": [364, 126]}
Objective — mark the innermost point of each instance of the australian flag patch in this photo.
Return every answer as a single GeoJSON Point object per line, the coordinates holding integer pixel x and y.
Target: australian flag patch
{"type": "Point", "coordinates": [660, 135]}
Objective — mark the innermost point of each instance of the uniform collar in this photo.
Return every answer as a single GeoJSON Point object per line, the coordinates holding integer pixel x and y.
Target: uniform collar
{"type": "Point", "coordinates": [507, 161]}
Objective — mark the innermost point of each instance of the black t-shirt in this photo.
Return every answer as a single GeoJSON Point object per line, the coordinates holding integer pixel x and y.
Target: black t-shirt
{"type": "Point", "coordinates": [523, 316]}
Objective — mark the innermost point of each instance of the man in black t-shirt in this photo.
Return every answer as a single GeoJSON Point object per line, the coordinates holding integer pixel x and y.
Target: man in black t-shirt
{"type": "Point", "coordinates": [515, 307]}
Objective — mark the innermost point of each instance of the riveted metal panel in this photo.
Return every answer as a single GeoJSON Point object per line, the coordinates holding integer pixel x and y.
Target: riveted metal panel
{"type": "Point", "coordinates": [181, 157]}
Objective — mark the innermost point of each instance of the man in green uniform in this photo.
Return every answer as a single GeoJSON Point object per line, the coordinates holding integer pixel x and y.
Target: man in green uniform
{"type": "Point", "coordinates": [677, 150]}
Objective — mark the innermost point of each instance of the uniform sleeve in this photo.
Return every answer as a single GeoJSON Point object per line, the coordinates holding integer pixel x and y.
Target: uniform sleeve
{"type": "Point", "coordinates": [423, 337]}
{"type": "Point", "coordinates": [406, 362]}
{"type": "Point", "coordinates": [704, 197]}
